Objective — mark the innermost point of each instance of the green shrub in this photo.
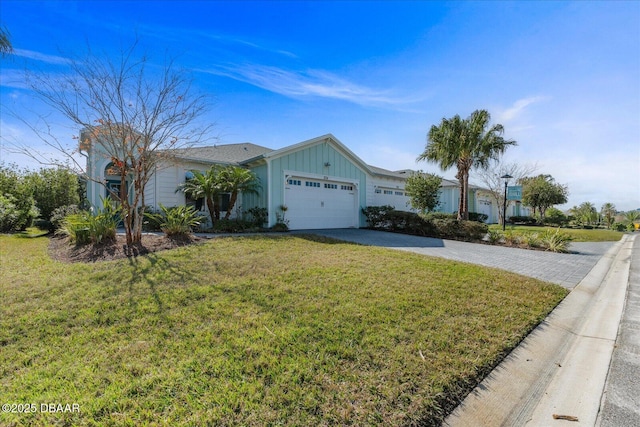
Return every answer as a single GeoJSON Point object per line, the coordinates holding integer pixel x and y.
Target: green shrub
{"type": "Point", "coordinates": [16, 213]}
{"type": "Point", "coordinates": [618, 226]}
{"type": "Point", "coordinates": [258, 216]}
{"type": "Point", "coordinates": [441, 215]}
{"type": "Point", "coordinates": [554, 216]}
{"type": "Point", "coordinates": [280, 226]}
{"type": "Point", "coordinates": [377, 215]}
{"type": "Point", "coordinates": [527, 220]}
{"type": "Point", "coordinates": [234, 226]}
{"type": "Point", "coordinates": [478, 217]}
{"type": "Point", "coordinates": [460, 230]}
{"type": "Point", "coordinates": [175, 221]}
{"type": "Point", "coordinates": [473, 230]}
{"type": "Point", "coordinates": [59, 214]}
{"type": "Point", "coordinates": [52, 188]}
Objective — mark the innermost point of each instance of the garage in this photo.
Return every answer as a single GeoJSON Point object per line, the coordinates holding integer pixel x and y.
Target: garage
{"type": "Point", "coordinates": [318, 203]}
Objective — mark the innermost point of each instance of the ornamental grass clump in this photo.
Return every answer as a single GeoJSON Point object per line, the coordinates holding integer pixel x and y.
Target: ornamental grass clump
{"type": "Point", "coordinates": [555, 241]}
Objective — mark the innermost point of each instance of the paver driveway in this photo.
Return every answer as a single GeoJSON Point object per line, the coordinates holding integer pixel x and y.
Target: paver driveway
{"type": "Point", "coordinates": [564, 269]}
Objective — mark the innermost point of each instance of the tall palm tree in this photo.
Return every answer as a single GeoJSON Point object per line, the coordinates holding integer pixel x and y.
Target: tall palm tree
{"type": "Point", "coordinates": [207, 186]}
{"type": "Point", "coordinates": [465, 143]}
{"type": "Point", "coordinates": [237, 180]}
{"type": "Point", "coordinates": [5, 42]}
{"type": "Point", "coordinates": [608, 212]}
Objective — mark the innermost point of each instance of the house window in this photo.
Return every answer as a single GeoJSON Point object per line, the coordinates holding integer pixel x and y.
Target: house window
{"type": "Point", "coordinates": [224, 202]}
{"type": "Point", "coordinates": [294, 182]}
{"type": "Point", "coordinates": [332, 186]}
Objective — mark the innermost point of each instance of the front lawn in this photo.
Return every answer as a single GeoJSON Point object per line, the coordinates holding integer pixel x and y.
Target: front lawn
{"type": "Point", "coordinates": [263, 330]}
{"type": "Point", "coordinates": [577, 234]}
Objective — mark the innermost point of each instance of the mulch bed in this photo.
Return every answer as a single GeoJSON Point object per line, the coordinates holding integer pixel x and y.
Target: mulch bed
{"type": "Point", "coordinates": [62, 250]}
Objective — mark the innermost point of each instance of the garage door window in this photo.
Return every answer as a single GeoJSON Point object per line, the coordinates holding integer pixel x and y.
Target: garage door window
{"type": "Point", "coordinates": [346, 187]}
{"type": "Point", "coordinates": [294, 182]}
{"type": "Point", "coordinates": [312, 184]}
{"type": "Point", "coordinates": [331, 186]}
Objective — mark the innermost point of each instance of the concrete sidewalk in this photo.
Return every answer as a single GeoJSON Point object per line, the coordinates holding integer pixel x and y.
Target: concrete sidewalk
{"type": "Point", "coordinates": [561, 367]}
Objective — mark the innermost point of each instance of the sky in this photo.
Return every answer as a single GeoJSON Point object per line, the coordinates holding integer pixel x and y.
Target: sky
{"type": "Point", "coordinates": [563, 78]}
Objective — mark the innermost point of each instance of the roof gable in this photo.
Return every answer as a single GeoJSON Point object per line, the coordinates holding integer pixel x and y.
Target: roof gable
{"type": "Point", "coordinates": [328, 138]}
{"type": "Point", "coordinates": [227, 153]}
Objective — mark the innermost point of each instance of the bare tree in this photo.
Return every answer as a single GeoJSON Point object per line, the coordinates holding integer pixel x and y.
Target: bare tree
{"type": "Point", "coordinates": [128, 111]}
{"type": "Point", "coordinates": [490, 178]}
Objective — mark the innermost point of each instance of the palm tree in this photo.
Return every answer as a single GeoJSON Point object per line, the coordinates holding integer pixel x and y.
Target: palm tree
{"type": "Point", "coordinates": [236, 180]}
{"type": "Point", "coordinates": [465, 143]}
{"type": "Point", "coordinates": [207, 186]}
{"type": "Point", "coordinates": [608, 211]}
{"type": "Point", "coordinates": [5, 42]}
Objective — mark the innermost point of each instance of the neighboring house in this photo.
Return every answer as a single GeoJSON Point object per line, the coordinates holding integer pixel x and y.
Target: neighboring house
{"type": "Point", "coordinates": [321, 182]}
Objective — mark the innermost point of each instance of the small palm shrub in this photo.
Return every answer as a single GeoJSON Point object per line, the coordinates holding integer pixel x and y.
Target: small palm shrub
{"type": "Point", "coordinates": [532, 240]}
{"type": "Point", "coordinates": [76, 228]}
{"type": "Point", "coordinates": [494, 236]}
{"type": "Point", "coordinates": [83, 227]}
{"type": "Point", "coordinates": [102, 227]}
{"type": "Point", "coordinates": [513, 238]}
{"type": "Point", "coordinates": [555, 241]}
{"type": "Point", "coordinates": [175, 221]}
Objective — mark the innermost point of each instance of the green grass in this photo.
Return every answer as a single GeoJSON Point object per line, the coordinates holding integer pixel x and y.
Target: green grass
{"type": "Point", "coordinates": [254, 331]}
{"type": "Point", "coordinates": [577, 235]}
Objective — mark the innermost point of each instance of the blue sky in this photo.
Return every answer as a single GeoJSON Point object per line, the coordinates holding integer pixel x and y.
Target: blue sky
{"type": "Point", "coordinates": [562, 77]}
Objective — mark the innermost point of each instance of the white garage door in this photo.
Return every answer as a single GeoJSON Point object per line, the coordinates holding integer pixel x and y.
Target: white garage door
{"type": "Point", "coordinates": [314, 204]}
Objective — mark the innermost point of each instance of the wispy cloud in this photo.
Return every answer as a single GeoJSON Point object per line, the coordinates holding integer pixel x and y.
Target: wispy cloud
{"type": "Point", "coordinates": [518, 108]}
{"type": "Point", "coordinates": [312, 83]}
{"type": "Point", "coordinates": [42, 57]}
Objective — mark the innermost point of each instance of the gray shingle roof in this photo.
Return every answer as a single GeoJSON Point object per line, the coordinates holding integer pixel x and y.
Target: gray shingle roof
{"type": "Point", "coordinates": [227, 153]}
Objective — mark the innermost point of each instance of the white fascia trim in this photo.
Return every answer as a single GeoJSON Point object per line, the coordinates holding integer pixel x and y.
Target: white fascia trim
{"type": "Point", "coordinates": [289, 174]}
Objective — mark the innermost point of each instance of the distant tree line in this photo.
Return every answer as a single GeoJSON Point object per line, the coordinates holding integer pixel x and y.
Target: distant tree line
{"type": "Point", "coordinates": [27, 196]}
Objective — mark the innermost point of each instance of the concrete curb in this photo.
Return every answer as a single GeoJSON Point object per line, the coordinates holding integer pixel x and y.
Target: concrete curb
{"type": "Point", "coordinates": [561, 367]}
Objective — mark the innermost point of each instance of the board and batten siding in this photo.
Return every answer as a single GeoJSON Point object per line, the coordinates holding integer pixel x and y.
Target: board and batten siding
{"type": "Point", "coordinates": [259, 200]}
{"type": "Point", "coordinates": [311, 161]}
{"type": "Point", "coordinates": [399, 202]}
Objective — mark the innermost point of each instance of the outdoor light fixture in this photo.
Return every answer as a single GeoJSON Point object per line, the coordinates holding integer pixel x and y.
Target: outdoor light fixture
{"type": "Point", "coordinates": [506, 178]}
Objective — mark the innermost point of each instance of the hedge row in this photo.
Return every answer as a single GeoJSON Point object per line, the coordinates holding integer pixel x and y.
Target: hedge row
{"type": "Point", "coordinates": [440, 225]}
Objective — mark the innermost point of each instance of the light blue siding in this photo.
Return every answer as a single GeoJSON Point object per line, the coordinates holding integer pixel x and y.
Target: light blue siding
{"type": "Point", "coordinates": [312, 160]}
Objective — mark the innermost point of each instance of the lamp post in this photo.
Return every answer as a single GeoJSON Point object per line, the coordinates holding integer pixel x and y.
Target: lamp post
{"type": "Point", "coordinates": [504, 208]}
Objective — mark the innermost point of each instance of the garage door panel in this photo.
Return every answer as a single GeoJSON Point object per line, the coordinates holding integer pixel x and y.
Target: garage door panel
{"type": "Point", "coordinates": [315, 204]}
